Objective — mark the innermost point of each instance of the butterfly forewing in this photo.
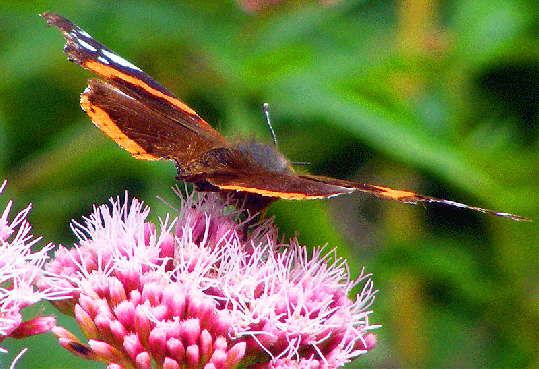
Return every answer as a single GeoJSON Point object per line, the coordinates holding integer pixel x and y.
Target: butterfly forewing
{"type": "Point", "coordinates": [82, 49]}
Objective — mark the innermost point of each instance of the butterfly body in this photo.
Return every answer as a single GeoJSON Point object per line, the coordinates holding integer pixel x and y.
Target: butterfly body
{"type": "Point", "coordinates": [148, 121]}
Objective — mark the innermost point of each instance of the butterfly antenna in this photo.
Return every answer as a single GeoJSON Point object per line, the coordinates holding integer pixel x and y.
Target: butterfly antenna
{"type": "Point", "coordinates": [265, 109]}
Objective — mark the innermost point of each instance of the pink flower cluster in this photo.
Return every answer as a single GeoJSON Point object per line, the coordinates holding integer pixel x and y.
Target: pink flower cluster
{"type": "Point", "coordinates": [19, 269]}
{"type": "Point", "coordinates": [207, 291]}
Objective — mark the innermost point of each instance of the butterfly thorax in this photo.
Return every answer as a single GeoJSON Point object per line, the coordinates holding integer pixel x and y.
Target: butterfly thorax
{"type": "Point", "coordinates": [264, 158]}
{"type": "Point", "coordinates": [244, 158]}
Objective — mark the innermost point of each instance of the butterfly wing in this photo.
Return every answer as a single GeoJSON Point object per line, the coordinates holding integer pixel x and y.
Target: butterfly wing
{"type": "Point", "coordinates": [403, 196]}
{"type": "Point", "coordinates": [137, 128]}
{"type": "Point", "coordinates": [132, 108]}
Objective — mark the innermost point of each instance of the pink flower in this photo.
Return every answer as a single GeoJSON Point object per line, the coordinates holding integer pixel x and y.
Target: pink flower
{"type": "Point", "coordinates": [19, 269]}
{"type": "Point", "coordinates": [209, 290]}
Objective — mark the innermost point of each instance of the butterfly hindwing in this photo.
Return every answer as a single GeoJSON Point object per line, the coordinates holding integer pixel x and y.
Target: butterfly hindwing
{"type": "Point", "coordinates": [138, 129]}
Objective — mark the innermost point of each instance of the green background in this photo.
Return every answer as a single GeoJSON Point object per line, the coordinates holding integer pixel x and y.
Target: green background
{"type": "Point", "coordinates": [435, 97]}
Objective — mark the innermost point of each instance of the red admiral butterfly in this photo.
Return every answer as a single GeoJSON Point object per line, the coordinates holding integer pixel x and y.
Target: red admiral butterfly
{"type": "Point", "coordinates": [151, 123]}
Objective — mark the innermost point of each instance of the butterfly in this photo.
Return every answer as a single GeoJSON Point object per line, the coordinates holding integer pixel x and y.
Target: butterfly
{"type": "Point", "coordinates": [148, 121]}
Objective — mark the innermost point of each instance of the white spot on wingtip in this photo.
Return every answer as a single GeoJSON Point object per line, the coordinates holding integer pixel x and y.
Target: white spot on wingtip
{"type": "Point", "coordinates": [84, 33]}
{"type": "Point", "coordinates": [103, 60]}
{"type": "Point", "coordinates": [119, 60]}
{"type": "Point", "coordinates": [86, 46]}
{"type": "Point", "coordinates": [457, 204]}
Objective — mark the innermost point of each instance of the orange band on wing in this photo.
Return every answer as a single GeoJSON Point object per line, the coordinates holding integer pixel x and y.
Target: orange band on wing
{"type": "Point", "coordinates": [107, 125]}
{"type": "Point", "coordinates": [396, 194]}
{"type": "Point", "coordinates": [110, 73]}
{"type": "Point", "coordinates": [269, 193]}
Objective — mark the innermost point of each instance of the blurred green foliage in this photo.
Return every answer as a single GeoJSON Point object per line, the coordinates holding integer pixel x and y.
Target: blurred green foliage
{"type": "Point", "coordinates": [436, 97]}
